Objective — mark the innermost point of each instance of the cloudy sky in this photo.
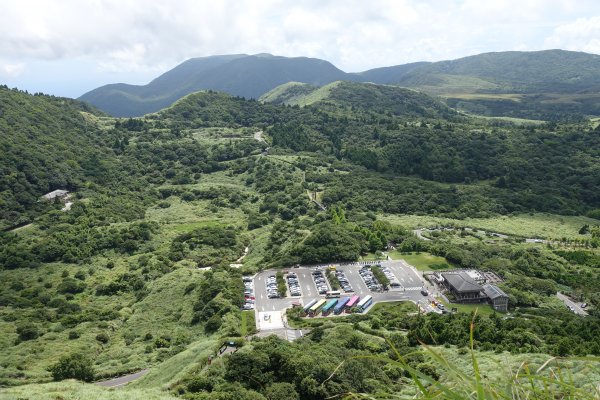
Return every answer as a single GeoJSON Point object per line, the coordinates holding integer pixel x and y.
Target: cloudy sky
{"type": "Point", "coordinates": [67, 47]}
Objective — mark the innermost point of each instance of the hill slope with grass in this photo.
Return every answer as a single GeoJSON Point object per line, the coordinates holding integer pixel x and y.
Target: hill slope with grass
{"type": "Point", "coordinates": [553, 71]}
{"type": "Point", "coordinates": [549, 84]}
{"type": "Point", "coordinates": [361, 97]}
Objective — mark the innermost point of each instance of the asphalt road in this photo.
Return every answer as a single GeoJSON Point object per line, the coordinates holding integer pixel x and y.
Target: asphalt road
{"type": "Point", "coordinates": [568, 302]}
{"type": "Point", "coordinates": [123, 380]}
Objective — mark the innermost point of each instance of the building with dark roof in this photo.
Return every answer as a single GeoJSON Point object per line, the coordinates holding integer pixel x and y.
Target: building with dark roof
{"type": "Point", "coordinates": [498, 299]}
{"type": "Point", "coordinates": [464, 288]}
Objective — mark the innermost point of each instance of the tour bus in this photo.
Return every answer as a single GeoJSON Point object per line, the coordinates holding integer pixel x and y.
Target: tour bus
{"type": "Point", "coordinates": [329, 306]}
{"type": "Point", "coordinates": [309, 305]}
{"type": "Point", "coordinates": [339, 308]}
{"type": "Point", "coordinates": [332, 293]}
{"type": "Point", "coordinates": [314, 310]}
{"type": "Point", "coordinates": [365, 303]}
{"type": "Point", "coordinates": [352, 302]}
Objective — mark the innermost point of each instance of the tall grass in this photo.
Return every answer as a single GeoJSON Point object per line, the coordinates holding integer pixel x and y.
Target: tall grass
{"type": "Point", "coordinates": [73, 390]}
{"type": "Point", "coordinates": [551, 380]}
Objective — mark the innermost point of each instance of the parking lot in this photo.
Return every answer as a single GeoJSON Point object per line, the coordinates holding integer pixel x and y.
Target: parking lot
{"type": "Point", "coordinates": [309, 285]}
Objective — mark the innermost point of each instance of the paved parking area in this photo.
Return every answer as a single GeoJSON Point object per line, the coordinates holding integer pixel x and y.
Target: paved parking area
{"type": "Point", "coordinates": [407, 275]}
{"type": "Point", "coordinates": [410, 281]}
{"type": "Point", "coordinates": [307, 287]}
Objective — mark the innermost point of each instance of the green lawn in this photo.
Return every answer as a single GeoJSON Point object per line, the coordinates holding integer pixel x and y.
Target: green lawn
{"type": "Point", "coordinates": [482, 309]}
{"type": "Point", "coordinates": [393, 306]}
{"type": "Point", "coordinates": [248, 322]}
{"type": "Point", "coordinates": [421, 261]}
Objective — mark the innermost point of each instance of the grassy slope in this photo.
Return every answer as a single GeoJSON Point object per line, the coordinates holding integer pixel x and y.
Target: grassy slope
{"type": "Point", "coordinates": [173, 369]}
{"type": "Point", "coordinates": [73, 390]}
{"type": "Point", "coordinates": [513, 71]}
{"type": "Point", "coordinates": [343, 95]}
{"type": "Point", "coordinates": [454, 365]}
{"type": "Point", "coordinates": [299, 94]}
{"type": "Point", "coordinates": [288, 93]}
{"type": "Point", "coordinates": [499, 368]}
{"type": "Point", "coordinates": [151, 315]}
{"type": "Point", "coordinates": [526, 225]}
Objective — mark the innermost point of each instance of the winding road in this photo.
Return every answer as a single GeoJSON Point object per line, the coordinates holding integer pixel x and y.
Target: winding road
{"type": "Point", "coordinates": [570, 303]}
{"type": "Point", "coordinates": [123, 380]}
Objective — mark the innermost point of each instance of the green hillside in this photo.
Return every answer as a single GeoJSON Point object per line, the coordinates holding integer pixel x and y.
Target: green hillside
{"type": "Point", "coordinates": [47, 143]}
{"type": "Point", "coordinates": [359, 96]}
{"type": "Point", "coordinates": [389, 75]}
{"type": "Point", "coordinates": [171, 210]}
{"type": "Point", "coordinates": [548, 71]}
{"type": "Point", "coordinates": [550, 84]}
{"type": "Point", "coordinates": [291, 93]}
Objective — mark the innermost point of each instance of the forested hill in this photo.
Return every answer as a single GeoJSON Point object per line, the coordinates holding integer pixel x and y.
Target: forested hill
{"type": "Point", "coordinates": [504, 168]}
{"type": "Point", "coordinates": [515, 168]}
{"type": "Point", "coordinates": [47, 143]}
{"type": "Point", "coordinates": [240, 75]}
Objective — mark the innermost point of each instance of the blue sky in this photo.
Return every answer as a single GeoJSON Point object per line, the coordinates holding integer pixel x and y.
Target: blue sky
{"type": "Point", "coordinates": [68, 47]}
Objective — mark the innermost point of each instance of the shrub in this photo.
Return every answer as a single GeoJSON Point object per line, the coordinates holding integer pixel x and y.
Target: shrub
{"type": "Point", "coordinates": [164, 204]}
{"type": "Point", "coordinates": [80, 275]}
{"type": "Point", "coordinates": [213, 324]}
{"type": "Point", "coordinates": [74, 366]}
{"type": "Point", "coordinates": [102, 337]}
{"type": "Point", "coordinates": [282, 391]}
{"type": "Point", "coordinates": [161, 343]}
{"type": "Point", "coordinates": [70, 285]}
{"type": "Point", "coordinates": [73, 335]}
{"type": "Point", "coordinates": [28, 332]}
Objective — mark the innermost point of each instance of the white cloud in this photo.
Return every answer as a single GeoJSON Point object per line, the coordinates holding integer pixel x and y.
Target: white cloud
{"type": "Point", "coordinates": [11, 70]}
{"type": "Point", "coordinates": [144, 37]}
{"type": "Point", "coordinates": [582, 35]}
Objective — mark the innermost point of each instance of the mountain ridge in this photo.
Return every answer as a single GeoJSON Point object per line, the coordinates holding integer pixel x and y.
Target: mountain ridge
{"type": "Point", "coordinates": [566, 79]}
